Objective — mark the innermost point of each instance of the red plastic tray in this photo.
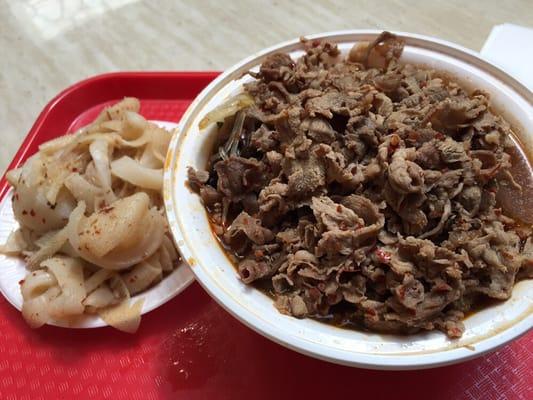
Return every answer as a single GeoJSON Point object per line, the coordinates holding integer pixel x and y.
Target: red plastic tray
{"type": "Point", "coordinates": [190, 348]}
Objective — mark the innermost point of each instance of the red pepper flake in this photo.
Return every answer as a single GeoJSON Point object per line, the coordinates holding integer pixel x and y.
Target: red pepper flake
{"type": "Point", "coordinates": [105, 210]}
{"type": "Point", "coordinates": [24, 212]}
{"type": "Point", "coordinates": [315, 43]}
{"type": "Point", "coordinates": [382, 255]}
{"type": "Point", "coordinates": [332, 298]}
{"type": "Point", "coordinates": [320, 151]}
{"type": "Point", "coordinates": [74, 169]}
{"type": "Point", "coordinates": [43, 220]}
{"type": "Point", "coordinates": [339, 208]}
{"type": "Point", "coordinates": [371, 311]}
{"type": "Point", "coordinates": [32, 213]}
{"type": "Point", "coordinates": [413, 135]}
{"type": "Point", "coordinates": [440, 136]}
{"type": "Point", "coordinates": [401, 292]}
{"type": "Point", "coordinates": [21, 281]}
{"type": "Point", "coordinates": [454, 332]}
{"type": "Point", "coordinates": [442, 287]}
{"type": "Point", "coordinates": [314, 293]}
{"type": "Point", "coordinates": [393, 144]}
{"type": "Point", "coordinates": [507, 254]}
{"type": "Point", "coordinates": [259, 253]}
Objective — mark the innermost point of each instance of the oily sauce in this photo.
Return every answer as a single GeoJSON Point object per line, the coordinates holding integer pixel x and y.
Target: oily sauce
{"type": "Point", "coordinates": [516, 203]}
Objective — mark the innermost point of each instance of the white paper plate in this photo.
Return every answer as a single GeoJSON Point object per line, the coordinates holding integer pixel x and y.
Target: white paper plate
{"type": "Point", "coordinates": [485, 330]}
{"type": "Point", "coordinates": [13, 269]}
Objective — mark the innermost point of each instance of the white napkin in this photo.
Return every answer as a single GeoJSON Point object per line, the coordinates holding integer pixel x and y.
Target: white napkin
{"type": "Point", "coordinates": [510, 47]}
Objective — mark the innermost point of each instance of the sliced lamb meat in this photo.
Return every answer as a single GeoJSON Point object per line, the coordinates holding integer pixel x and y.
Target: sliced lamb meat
{"type": "Point", "coordinates": [333, 216]}
{"type": "Point", "coordinates": [263, 139]}
{"type": "Point", "coordinates": [452, 151]}
{"type": "Point", "coordinates": [304, 176]}
{"type": "Point", "coordinates": [243, 229]}
{"type": "Point", "coordinates": [273, 202]}
{"type": "Point", "coordinates": [386, 48]}
{"type": "Point", "coordinates": [454, 113]}
{"type": "Point", "coordinates": [238, 175]}
{"type": "Point", "coordinates": [319, 130]}
{"type": "Point", "coordinates": [327, 104]}
{"type": "Point", "coordinates": [276, 67]}
{"type": "Point", "coordinates": [410, 293]}
{"type": "Point", "coordinates": [405, 176]}
{"type": "Point", "coordinates": [365, 190]}
{"type": "Point", "coordinates": [197, 179]}
{"type": "Point", "coordinates": [198, 183]}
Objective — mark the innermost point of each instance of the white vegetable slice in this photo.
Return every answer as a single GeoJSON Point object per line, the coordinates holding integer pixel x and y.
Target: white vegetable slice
{"type": "Point", "coordinates": [124, 317]}
{"type": "Point", "coordinates": [117, 111]}
{"type": "Point", "coordinates": [69, 274]}
{"type": "Point", "coordinates": [81, 189]}
{"type": "Point", "coordinates": [99, 150]}
{"type": "Point", "coordinates": [134, 172]}
{"type": "Point", "coordinates": [120, 236]}
{"type": "Point", "coordinates": [35, 310]}
{"type": "Point", "coordinates": [133, 126]}
{"type": "Point", "coordinates": [100, 298]}
{"type": "Point", "coordinates": [49, 247]}
{"type": "Point", "coordinates": [142, 275]}
{"type": "Point", "coordinates": [36, 283]}
{"type": "Point", "coordinates": [15, 243]}
{"type": "Point", "coordinates": [67, 192]}
{"type": "Point", "coordinates": [227, 109]}
{"type": "Point", "coordinates": [97, 279]}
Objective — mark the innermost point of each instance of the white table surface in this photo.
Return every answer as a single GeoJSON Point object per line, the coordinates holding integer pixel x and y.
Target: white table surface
{"type": "Point", "coordinates": [47, 45]}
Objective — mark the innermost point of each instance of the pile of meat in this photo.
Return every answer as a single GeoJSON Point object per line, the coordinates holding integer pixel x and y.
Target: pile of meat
{"type": "Point", "coordinates": [365, 187]}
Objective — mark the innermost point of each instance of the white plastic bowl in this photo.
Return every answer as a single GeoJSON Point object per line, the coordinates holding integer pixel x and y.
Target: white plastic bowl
{"type": "Point", "coordinates": [485, 330]}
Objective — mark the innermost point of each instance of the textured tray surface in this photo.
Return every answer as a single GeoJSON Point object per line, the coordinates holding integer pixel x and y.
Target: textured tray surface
{"type": "Point", "coordinates": [191, 348]}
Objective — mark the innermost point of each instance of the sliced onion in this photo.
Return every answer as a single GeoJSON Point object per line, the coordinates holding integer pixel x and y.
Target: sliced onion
{"type": "Point", "coordinates": [15, 243]}
{"type": "Point", "coordinates": [99, 150]}
{"type": "Point", "coordinates": [124, 317]}
{"type": "Point", "coordinates": [99, 298]}
{"type": "Point", "coordinates": [142, 275]}
{"type": "Point", "coordinates": [227, 109]}
{"type": "Point", "coordinates": [69, 274]}
{"type": "Point", "coordinates": [82, 190]}
{"type": "Point", "coordinates": [97, 279]}
{"type": "Point", "coordinates": [132, 171]}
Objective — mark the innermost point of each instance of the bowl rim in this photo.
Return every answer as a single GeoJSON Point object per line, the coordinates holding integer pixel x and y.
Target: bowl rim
{"type": "Point", "coordinates": [426, 359]}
